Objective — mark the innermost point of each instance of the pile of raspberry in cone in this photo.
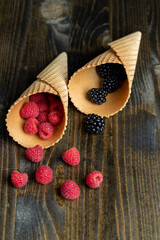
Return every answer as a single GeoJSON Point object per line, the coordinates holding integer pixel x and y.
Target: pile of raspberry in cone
{"type": "Point", "coordinates": [43, 112]}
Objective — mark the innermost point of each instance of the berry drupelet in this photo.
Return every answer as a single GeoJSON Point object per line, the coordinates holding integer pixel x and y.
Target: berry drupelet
{"type": "Point", "coordinates": [110, 85]}
{"type": "Point", "coordinates": [97, 95]}
{"type": "Point", "coordinates": [93, 123]}
{"type": "Point", "coordinates": [108, 70]}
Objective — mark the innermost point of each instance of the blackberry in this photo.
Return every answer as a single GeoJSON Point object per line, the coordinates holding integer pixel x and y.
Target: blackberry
{"type": "Point", "coordinates": [112, 69]}
{"type": "Point", "coordinates": [93, 123]}
{"type": "Point", "coordinates": [110, 85]}
{"type": "Point", "coordinates": [97, 95]}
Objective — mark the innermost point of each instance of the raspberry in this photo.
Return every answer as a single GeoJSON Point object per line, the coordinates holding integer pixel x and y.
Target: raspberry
{"type": "Point", "coordinates": [71, 156]}
{"type": "Point", "coordinates": [38, 97]}
{"type": "Point", "coordinates": [30, 109]}
{"type": "Point", "coordinates": [93, 123]}
{"type": "Point", "coordinates": [97, 95]}
{"type": "Point", "coordinates": [54, 118]}
{"type": "Point", "coordinates": [70, 190]}
{"type": "Point", "coordinates": [31, 126]}
{"type": "Point", "coordinates": [44, 175]}
{"type": "Point", "coordinates": [45, 130]}
{"type": "Point", "coordinates": [42, 117]}
{"type": "Point", "coordinates": [94, 179]}
{"type": "Point", "coordinates": [56, 106]}
{"type": "Point", "coordinates": [53, 98]}
{"type": "Point", "coordinates": [35, 154]}
{"type": "Point", "coordinates": [43, 107]}
{"type": "Point", "coordinates": [19, 179]}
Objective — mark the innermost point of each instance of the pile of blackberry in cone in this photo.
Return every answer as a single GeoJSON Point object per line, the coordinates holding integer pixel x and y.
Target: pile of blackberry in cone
{"type": "Point", "coordinates": [112, 74]}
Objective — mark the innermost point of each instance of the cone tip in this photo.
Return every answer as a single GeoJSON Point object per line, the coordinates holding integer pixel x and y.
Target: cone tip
{"type": "Point", "coordinates": [138, 33]}
{"type": "Point", "coordinates": [133, 35]}
{"type": "Point", "coordinates": [64, 54]}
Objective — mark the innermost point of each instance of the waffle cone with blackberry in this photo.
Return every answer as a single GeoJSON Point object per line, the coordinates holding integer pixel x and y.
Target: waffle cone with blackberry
{"type": "Point", "coordinates": [123, 51]}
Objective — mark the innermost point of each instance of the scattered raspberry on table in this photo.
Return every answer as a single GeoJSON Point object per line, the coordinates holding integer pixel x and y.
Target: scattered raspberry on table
{"type": "Point", "coordinates": [19, 179]}
{"type": "Point", "coordinates": [71, 156]}
{"type": "Point", "coordinates": [94, 179]}
{"type": "Point", "coordinates": [35, 154]}
{"type": "Point", "coordinates": [70, 190]}
{"type": "Point", "coordinates": [44, 175]}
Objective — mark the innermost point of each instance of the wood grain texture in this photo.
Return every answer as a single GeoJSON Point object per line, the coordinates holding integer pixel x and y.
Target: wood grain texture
{"type": "Point", "coordinates": [126, 206]}
{"type": "Point", "coordinates": [137, 164]}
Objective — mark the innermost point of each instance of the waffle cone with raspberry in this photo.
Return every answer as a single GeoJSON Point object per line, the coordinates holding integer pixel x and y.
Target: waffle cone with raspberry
{"type": "Point", "coordinates": [53, 80]}
{"type": "Point", "coordinates": [123, 51]}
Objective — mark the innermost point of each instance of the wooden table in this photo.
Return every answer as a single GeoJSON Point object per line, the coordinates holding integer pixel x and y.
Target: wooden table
{"type": "Point", "coordinates": [126, 206]}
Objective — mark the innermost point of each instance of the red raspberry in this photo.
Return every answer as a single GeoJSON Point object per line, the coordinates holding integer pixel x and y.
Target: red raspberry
{"type": "Point", "coordinates": [71, 157]}
{"type": "Point", "coordinates": [43, 107]}
{"type": "Point", "coordinates": [35, 154]}
{"type": "Point", "coordinates": [56, 106]}
{"type": "Point", "coordinates": [70, 190]}
{"type": "Point", "coordinates": [54, 118]}
{"type": "Point", "coordinates": [31, 126]}
{"type": "Point", "coordinates": [19, 179]}
{"type": "Point", "coordinates": [30, 109]}
{"type": "Point", "coordinates": [44, 175]}
{"type": "Point", "coordinates": [38, 97]}
{"type": "Point", "coordinates": [42, 117]}
{"type": "Point", "coordinates": [52, 98]}
{"type": "Point", "coordinates": [45, 130]}
{"type": "Point", "coordinates": [94, 179]}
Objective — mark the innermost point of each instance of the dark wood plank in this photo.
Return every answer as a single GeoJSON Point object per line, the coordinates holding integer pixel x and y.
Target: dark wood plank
{"type": "Point", "coordinates": [126, 206]}
{"type": "Point", "coordinates": [32, 212]}
{"type": "Point", "coordinates": [136, 129]}
{"type": "Point", "coordinates": [92, 209]}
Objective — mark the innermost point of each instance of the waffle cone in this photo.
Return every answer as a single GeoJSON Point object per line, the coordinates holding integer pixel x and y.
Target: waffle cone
{"type": "Point", "coordinates": [123, 51]}
{"type": "Point", "coordinates": [15, 123]}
